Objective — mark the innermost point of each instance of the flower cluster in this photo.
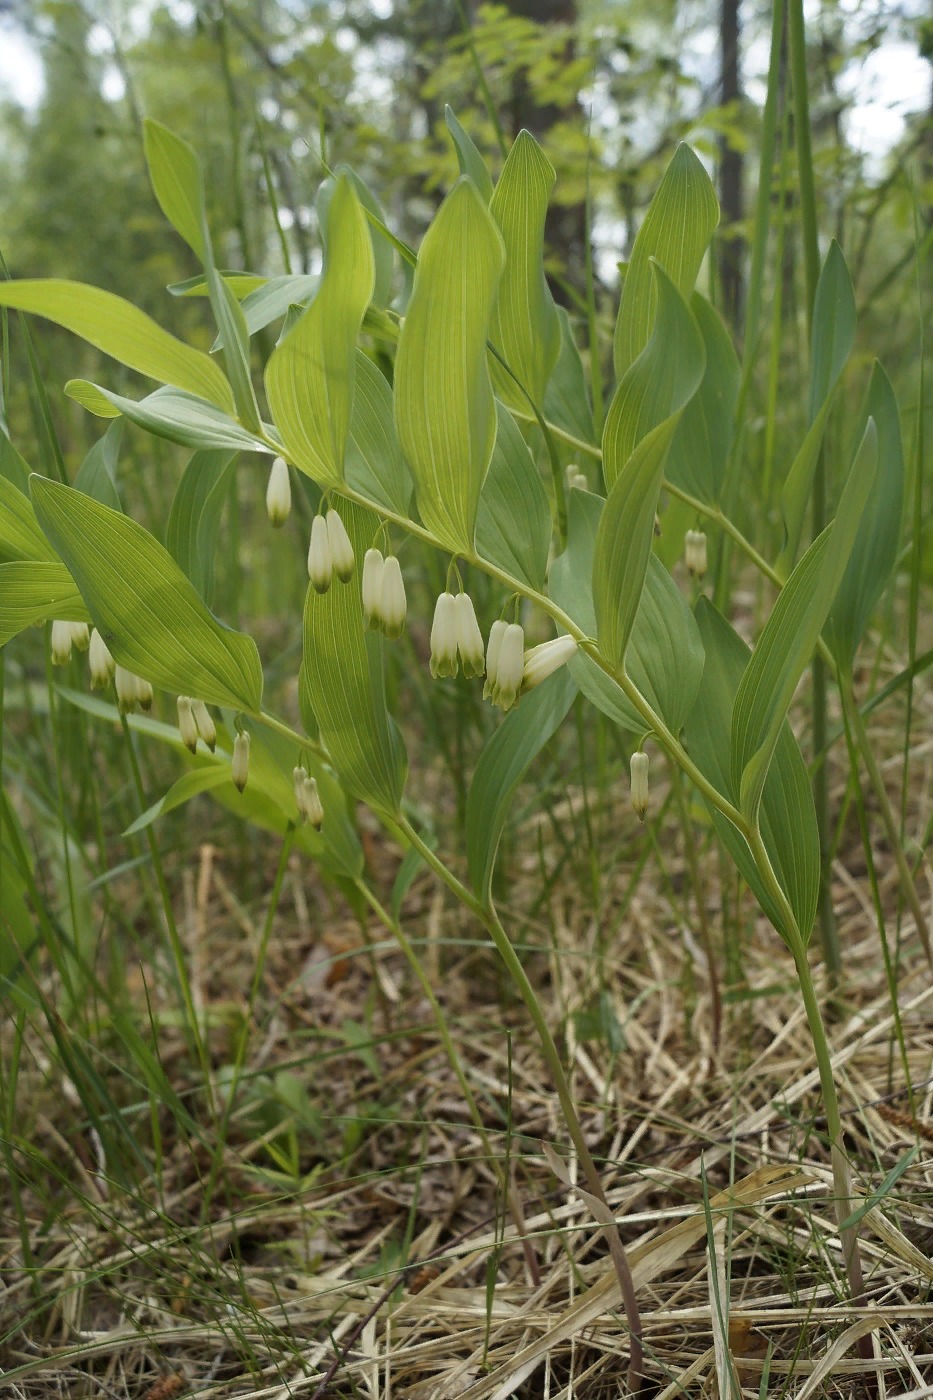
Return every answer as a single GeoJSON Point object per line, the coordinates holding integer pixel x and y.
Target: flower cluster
{"type": "Point", "coordinates": [457, 641]}
{"type": "Point", "coordinates": [66, 635]}
{"type": "Point", "coordinates": [307, 798]}
{"type": "Point", "coordinates": [194, 723]}
{"type": "Point", "coordinates": [330, 551]}
{"type": "Point", "coordinates": [385, 605]}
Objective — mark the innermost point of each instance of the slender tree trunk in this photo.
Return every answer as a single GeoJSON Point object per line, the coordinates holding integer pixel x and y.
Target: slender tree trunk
{"type": "Point", "coordinates": [731, 244]}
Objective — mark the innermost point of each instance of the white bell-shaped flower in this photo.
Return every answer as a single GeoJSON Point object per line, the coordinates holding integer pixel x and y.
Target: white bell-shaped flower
{"type": "Point", "coordinates": [469, 637]}
{"type": "Point", "coordinates": [371, 584]}
{"type": "Point", "coordinates": [493, 647]}
{"type": "Point", "coordinates": [80, 635]}
{"type": "Point", "coordinates": [510, 667]}
{"type": "Point", "coordinates": [132, 691]}
{"type": "Point", "coordinates": [695, 556]}
{"type": "Point", "coordinates": [279, 493]}
{"type": "Point", "coordinates": [393, 604]}
{"type": "Point", "coordinates": [239, 764]}
{"type": "Point", "coordinates": [341, 550]}
{"type": "Point", "coordinates": [444, 637]}
{"type": "Point", "coordinates": [312, 808]}
{"type": "Point", "coordinates": [542, 661]}
{"type": "Point", "coordinates": [639, 774]}
{"type": "Point", "coordinates": [61, 642]}
{"type": "Point", "coordinates": [143, 694]}
{"type": "Point", "coordinates": [186, 725]}
{"type": "Point", "coordinates": [320, 562]}
{"type": "Point", "coordinates": [204, 723]}
{"type": "Point", "coordinates": [100, 661]}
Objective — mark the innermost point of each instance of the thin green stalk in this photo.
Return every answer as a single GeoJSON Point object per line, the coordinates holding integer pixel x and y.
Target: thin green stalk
{"type": "Point", "coordinates": [488, 917]}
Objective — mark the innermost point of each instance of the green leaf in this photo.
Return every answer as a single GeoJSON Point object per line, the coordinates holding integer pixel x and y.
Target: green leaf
{"type": "Point", "coordinates": [700, 450]}
{"type": "Point", "coordinates": [310, 375]}
{"type": "Point", "coordinates": [375, 465]}
{"type": "Point", "coordinates": [240, 283]}
{"type": "Point", "coordinates": [786, 643]}
{"type": "Point", "coordinates": [190, 784]}
{"type": "Point", "coordinates": [383, 251]}
{"type": "Point", "coordinates": [676, 232]}
{"type": "Point", "coordinates": [175, 172]}
{"type": "Point", "coordinates": [567, 400]}
{"type": "Point", "coordinates": [20, 534]}
{"type": "Point", "coordinates": [640, 425]}
{"type": "Point", "coordinates": [194, 519]}
{"type": "Point", "coordinates": [97, 475]}
{"type": "Point", "coordinates": [122, 331]}
{"type": "Point", "coordinates": [13, 466]}
{"type": "Point", "coordinates": [874, 552]}
{"type": "Point", "coordinates": [787, 817]}
{"type": "Point", "coordinates": [831, 344]}
{"type": "Point", "coordinates": [343, 686]}
{"type": "Point", "coordinates": [171, 414]}
{"type": "Point", "coordinates": [665, 655]}
{"type": "Point", "coordinates": [468, 157]}
{"type": "Point", "coordinates": [145, 609]}
{"type": "Point", "coordinates": [32, 592]}
{"type": "Point", "coordinates": [271, 301]}
{"type": "Point", "coordinates": [513, 522]}
{"type": "Point", "coordinates": [503, 763]}
{"type": "Point", "coordinates": [444, 408]}
{"type": "Point", "coordinates": [524, 326]}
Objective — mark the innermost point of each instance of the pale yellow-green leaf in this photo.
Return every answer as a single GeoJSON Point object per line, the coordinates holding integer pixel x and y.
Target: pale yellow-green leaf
{"type": "Point", "coordinates": [310, 376]}
{"type": "Point", "coordinates": [20, 535]}
{"type": "Point", "coordinates": [676, 232]}
{"type": "Point", "coordinates": [524, 327]}
{"type": "Point", "coordinates": [33, 591]}
{"type": "Point", "coordinates": [122, 331]}
{"type": "Point", "coordinates": [444, 406]}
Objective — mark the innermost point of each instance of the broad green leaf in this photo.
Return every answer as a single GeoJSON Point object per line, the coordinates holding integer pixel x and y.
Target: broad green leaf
{"type": "Point", "coordinates": [700, 450]}
{"type": "Point", "coordinates": [664, 657]}
{"type": "Point", "coordinates": [567, 398]}
{"type": "Point", "coordinates": [13, 466]}
{"type": "Point", "coordinates": [875, 549]}
{"type": "Point", "coordinates": [343, 686]}
{"type": "Point", "coordinates": [640, 425]}
{"type": "Point", "coordinates": [524, 326]}
{"type": "Point", "coordinates": [20, 534]}
{"type": "Point", "coordinates": [97, 474]}
{"type": "Point", "coordinates": [32, 592]}
{"type": "Point", "coordinates": [194, 519]}
{"type": "Point", "coordinates": [383, 252]}
{"type": "Point", "coordinates": [468, 157]}
{"type": "Point", "coordinates": [145, 609]}
{"type": "Point", "coordinates": [375, 465]}
{"type": "Point", "coordinates": [658, 384]}
{"type": "Point", "coordinates": [676, 232]}
{"type": "Point", "coordinates": [444, 408]}
{"type": "Point", "coordinates": [310, 375]}
{"type": "Point", "coordinates": [269, 800]}
{"type": "Point", "coordinates": [201, 779]}
{"type": "Point", "coordinates": [123, 332]}
{"type": "Point", "coordinates": [787, 640]}
{"type": "Point", "coordinates": [503, 763]}
{"type": "Point", "coordinates": [513, 522]}
{"type": "Point", "coordinates": [787, 816]}
{"type": "Point", "coordinates": [171, 414]}
{"type": "Point", "coordinates": [175, 172]}
{"type": "Point", "coordinates": [271, 301]}
{"type": "Point", "coordinates": [240, 283]}
{"type": "Point", "coordinates": [831, 343]}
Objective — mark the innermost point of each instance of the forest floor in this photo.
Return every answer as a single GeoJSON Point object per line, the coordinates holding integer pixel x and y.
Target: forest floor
{"type": "Point", "coordinates": [349, 1238]}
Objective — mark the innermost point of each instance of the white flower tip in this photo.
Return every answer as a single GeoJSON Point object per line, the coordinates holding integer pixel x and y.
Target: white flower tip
{"type": "Point", "coordinates": [542, 661]}
{"type": "Point", "coordinates": [320, 562]}
{"type": "Point", "coordinates": [508, 671]}
{"type": "Point", "coordinates": [186, 725]}
{"type": "Point", "coordinates": [311, 805]}
{"type": "Point", "coordinates": [279, 493]}
{"type": "Point", "coordinates": [239, 764]}
{"type": "Point", "coordinates": [444, 637]}
{"type": "Point", "coordinates": [695, 553]}
{"type": "Point", "coordinates": [393, 603]}
{"type": "Point", "coordinates": [639, 775]}
{"type": "Point", "coordinates": [60, 643]}
{"type": "Point", "coordinates": [469, 637]}
{"type": "Point", "coordinates": [341, 549]}
{"type": "Point", "coordinates": [100, 661]}
{"type": "Point", "coordinates": [371, 587]}
{"type": "Point", "coordinates": [204, 723]}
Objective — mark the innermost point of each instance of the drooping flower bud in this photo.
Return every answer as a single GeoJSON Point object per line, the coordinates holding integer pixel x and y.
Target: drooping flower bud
{"type": "Point", "coordinates": [371, 583]}
{"type": "Point", "coordinates": [469, 637]}
{"type": "Point", "coordinates": [129, 695]}
{"type": "Point", "coordinates": [639, 774]}
{"type": "Point", "coordinates": [311, 806]}
{"type": "Point", "coordinates": [205, 725]}
{"type": "Point", "coordinates": [80, 635]}
{"type": "Point", "coordinates": [100, 661]}
{"type": "Point", "coordinates": [320, 563]}
{"type": "Point", "coordinates": [143, 694]}
{"type": "Point", "coordinates": [186, 725]}
{"type": "Point", "coordinates": [576, 481]}
{"type": "Point", "coordinates": [695, 552]}
{"type": "Point", "coordinates": [61, 643]}
{"type": "Point", "coordinates": [542, 661]}
{"type": "Point", "coordinates": [341, 550]}
{"type": "Point", "coordinates": [279, 493]}
{"type": "Point", "coordinates": [239, 764]}
{"type": "Point", "coordinates": [393, 604]}
{"type": "Point", "coordinates": [299, 776]}
{"type": "Point", "coordinates": [444, 637]}
{"type": "Point", "coordinates": [510, 666]}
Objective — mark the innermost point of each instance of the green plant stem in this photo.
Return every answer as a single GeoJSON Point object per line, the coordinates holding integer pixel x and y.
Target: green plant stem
{"type": "Point", "coordinates": [490, 920]}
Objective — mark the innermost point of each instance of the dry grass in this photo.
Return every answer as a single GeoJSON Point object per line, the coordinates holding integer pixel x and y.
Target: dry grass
{"type": "Point", "coordinates": [364, 1272]}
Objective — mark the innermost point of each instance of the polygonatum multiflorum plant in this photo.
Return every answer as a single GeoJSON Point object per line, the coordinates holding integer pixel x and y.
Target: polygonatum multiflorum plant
{"type": "Point", "coordinates": [480, 443]}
